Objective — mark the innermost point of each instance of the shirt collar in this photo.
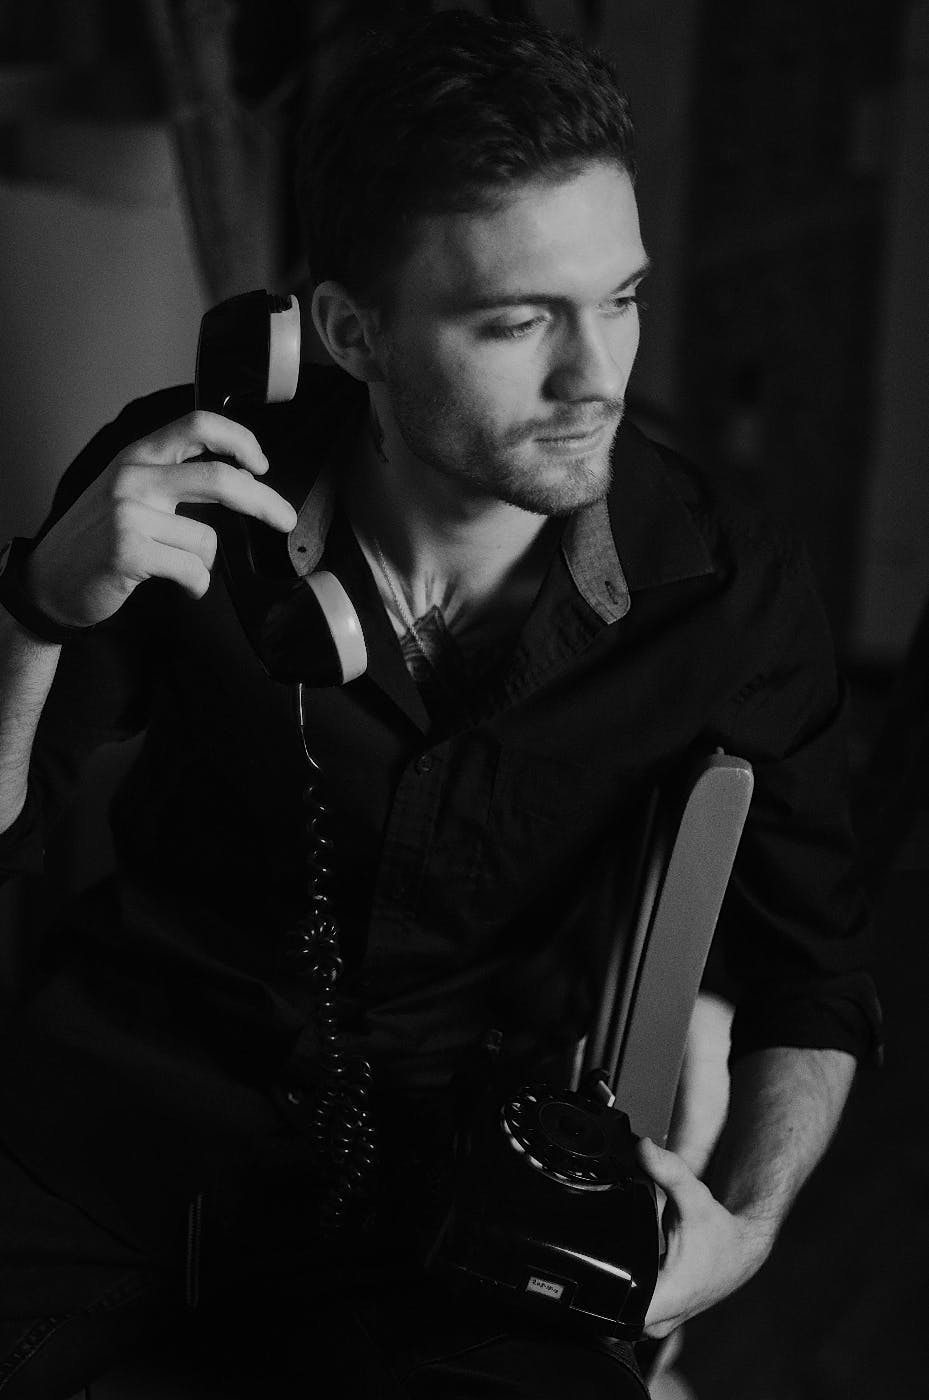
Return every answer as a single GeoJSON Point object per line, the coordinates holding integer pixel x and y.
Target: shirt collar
{"type": "Point", "coordinates": [307, 540]}
{"type": "Point", "coordinates": [641, 535]}
{"type": "Point", "coordinates": [593, 562]}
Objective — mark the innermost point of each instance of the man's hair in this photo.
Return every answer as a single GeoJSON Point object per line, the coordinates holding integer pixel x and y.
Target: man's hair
{"type": "Point", "coordinates": [447, 115]}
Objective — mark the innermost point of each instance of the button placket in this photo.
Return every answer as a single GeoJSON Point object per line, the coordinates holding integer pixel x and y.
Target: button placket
{"type": "Point", "coordinates": [406, 849]}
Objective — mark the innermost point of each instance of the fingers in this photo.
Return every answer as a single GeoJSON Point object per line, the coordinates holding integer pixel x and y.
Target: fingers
{"type": "Point", "coordinates": [148, 543]}
{"type": "Point", "coordinates": [198, 433]}
{"type": "Point", "coordinates": [169, 467]}
{"type": "Point", "coordinates": [683, 1200]}
{"type": "Point", "coordinates": [176, 531]}
{"type": "Point", "coordinates": [215, 483]}
{"type": "Point", "coordinates": [669, 1171]}
{"type": "Point", "coordinates": [657, 1324]}
{"type": "Point", "coordinates": [705, 1255]}
{"type": "Point", "coordinates": [124, 528]}
{"type": "Point", "coordinates": [184, 567]}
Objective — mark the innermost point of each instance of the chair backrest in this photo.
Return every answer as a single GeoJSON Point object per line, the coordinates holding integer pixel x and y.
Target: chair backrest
{"type": "Point", "coordinates": [654, 971]}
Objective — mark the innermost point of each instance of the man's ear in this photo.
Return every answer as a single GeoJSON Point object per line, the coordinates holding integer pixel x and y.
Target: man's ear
{"type": "Point", "coordinates": [348, 331]}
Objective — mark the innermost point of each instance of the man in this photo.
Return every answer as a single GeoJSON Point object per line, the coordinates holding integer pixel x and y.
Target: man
{"type": "Point", "coordinates": [557, 615]}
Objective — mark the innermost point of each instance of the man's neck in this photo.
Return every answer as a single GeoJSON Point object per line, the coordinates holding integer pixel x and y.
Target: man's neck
{"type": "Point", "coordinates": [445, 547]}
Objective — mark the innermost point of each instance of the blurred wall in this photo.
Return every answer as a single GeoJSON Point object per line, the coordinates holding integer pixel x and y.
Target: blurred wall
{"type": "Point", "coordinates": [894, 575]}
{"type": "Point", "coordinates": [651, 44]}
{"type": "Point", "coordinates": [100, 301]}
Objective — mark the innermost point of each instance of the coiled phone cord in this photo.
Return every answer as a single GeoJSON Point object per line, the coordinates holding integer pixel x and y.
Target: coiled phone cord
{"type": "Point", "coordinates": [342, 1132]}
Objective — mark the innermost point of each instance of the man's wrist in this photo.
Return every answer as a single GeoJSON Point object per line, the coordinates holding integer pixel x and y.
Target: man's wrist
{"type": "Point", "coordinates": [758, 1230]}
{"type": "Point", "coordinates": [757, 1217]}
{"type": "Point", "coordinates": [16, 598]}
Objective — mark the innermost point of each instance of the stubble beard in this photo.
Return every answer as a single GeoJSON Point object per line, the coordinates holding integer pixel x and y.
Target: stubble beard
{"type": "Point", "coordinates": [496, 469]}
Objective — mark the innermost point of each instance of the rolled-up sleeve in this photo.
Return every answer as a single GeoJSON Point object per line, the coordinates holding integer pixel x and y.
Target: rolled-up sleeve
{"type": "Point", "coordinates": [795, 927]}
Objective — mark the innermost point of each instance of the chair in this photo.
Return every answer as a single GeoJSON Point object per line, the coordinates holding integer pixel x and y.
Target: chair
{"type": "Point", "coordinates": [651, 984]}
{"type": "Point", "coordinates": [653, 976]}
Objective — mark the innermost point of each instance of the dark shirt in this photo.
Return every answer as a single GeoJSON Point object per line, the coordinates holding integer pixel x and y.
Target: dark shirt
{"type": "Point", "coordinates": [480, 845]}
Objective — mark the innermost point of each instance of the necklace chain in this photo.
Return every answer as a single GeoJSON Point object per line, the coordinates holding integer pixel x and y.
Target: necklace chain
{"type": "Point", "coordinates": [404, 611]}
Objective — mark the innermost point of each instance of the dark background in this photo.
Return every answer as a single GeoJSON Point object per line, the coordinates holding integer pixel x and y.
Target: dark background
{"type": "Point", "coordinates": [784, 196]}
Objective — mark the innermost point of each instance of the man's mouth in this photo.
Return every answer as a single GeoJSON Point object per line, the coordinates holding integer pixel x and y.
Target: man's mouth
{"type": "Point", "coordinates": [576, 437]}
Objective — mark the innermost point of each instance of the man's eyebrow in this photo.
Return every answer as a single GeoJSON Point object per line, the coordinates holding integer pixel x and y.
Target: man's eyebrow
{"type": "Point", "coordinates": [499, 299]}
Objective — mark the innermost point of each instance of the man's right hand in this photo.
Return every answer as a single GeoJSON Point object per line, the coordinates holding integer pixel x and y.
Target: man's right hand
{"type": "Point", "coordinates": [124, 528]}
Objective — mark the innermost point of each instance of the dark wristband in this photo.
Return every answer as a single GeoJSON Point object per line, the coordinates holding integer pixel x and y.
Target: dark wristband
{"type": "Point", "coordinates": [16, 600]}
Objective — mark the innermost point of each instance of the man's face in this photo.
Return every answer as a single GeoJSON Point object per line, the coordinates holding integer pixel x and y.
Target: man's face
{"type": "Point", "coordinates": [511, 339]}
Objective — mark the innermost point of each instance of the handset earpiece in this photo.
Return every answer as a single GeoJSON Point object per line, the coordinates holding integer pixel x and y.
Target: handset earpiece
{"type": "Point", "coordinates": [312, 634]}
{"type": "Point", "coordinates": [283, 349]}
{"type": "Point", "coordinates": [302, 629]}
{"type": "Point", "coordinates": [248, 353]}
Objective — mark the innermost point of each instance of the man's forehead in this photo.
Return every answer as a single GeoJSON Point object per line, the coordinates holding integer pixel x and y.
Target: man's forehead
{"type": "Point", "coordinates": [571, 230]}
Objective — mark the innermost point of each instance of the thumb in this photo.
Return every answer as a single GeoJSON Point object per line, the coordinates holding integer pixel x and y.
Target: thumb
{"type": "Point", "coordinates": [667, 1169]}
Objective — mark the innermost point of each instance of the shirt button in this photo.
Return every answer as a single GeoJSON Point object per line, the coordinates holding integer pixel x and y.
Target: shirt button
{"type": "Point", "coordinates": [425, 763]}
{"type": "Point", "coordinates": [295, 1097]}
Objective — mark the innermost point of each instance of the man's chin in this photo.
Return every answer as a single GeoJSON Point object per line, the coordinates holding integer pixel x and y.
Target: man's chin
{"type": "Point", "coordinates": [562, 497]}
{"type": "Point", "coordinates": [576, 483]}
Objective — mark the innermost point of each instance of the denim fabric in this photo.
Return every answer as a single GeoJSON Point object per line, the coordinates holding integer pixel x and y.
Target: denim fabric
{"type": "Point", "coordinates": [73, 1296]}
{"type": "Point", "coordinates": [416, 1344]}
{"type": "Point", "coordinates": [279, 1315]}
{"type": "Point", "coordinates": [393, 1340]}
{"type": "Point", "coordinates": [49, 1357]}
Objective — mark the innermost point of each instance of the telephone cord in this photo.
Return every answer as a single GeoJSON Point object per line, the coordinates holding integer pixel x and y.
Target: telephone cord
{"type": "Point", "coordinates": [342, 1132]}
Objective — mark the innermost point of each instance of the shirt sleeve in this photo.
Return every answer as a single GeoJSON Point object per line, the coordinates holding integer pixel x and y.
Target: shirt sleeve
{"type": "Point", "coordinates": [21, 845]}
{"type": "Point", "coordinates": [795, 927]}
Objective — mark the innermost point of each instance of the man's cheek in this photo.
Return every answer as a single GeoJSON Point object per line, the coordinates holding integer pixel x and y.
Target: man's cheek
{"type": "Point", "coordinates": [499, 397]}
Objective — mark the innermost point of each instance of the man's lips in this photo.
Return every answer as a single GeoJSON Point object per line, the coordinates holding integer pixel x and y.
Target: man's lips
{"type": "Point", "coordinates": [574, 435]}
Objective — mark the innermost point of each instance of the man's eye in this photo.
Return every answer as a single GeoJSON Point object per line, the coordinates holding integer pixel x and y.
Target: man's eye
{"type": "Point", "coordinates": [619, 306]}
{"type": "Point", "coordinates": [514, 332]}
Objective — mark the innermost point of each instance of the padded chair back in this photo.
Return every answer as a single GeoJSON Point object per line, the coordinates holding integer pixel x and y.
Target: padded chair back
{"type": "Point", "coordinates": [654, 972]}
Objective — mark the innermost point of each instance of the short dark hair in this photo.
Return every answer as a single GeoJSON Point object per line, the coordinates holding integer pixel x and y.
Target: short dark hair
{"type": "Point", "coordinates": [446, 115]}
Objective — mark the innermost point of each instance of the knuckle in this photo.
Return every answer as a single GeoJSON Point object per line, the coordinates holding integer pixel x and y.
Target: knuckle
{"type": "Point", "coordinates": [125, 539]}
{"type": "Point", "coordinates": [124, 513]}
{"type": "Point", "coordinates": [207, 542]}
{"type": "Point", "coordinates": [123, 536]}
{"type": "Point", "coordinates": [207, 474]}
{"type": "Point", "coordinates": [123, 481]}
{"type": "Point", "coordinates": [125, 549]}
{"type": "Point", "coordinates": [199, 579]}
{"type": "Point", "coordinates": [222, 475]}
{"type": "Point", "coordinates": [128, 454]}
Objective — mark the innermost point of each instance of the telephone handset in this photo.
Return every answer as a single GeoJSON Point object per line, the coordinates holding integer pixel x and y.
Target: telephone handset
{"type": "Point", "coordinates": [303, 629]}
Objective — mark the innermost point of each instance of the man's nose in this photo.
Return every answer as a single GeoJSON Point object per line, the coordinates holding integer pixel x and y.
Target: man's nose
{"type": "Point", "coordinates": [593, 358]}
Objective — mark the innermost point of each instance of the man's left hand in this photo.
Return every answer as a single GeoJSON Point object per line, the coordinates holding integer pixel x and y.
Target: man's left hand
{"type": "Point", "coordinates": [710, 1251]}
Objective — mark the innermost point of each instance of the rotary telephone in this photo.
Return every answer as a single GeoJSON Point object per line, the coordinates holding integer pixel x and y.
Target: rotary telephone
{"type": "Point", "coordinates": [303, 628]}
